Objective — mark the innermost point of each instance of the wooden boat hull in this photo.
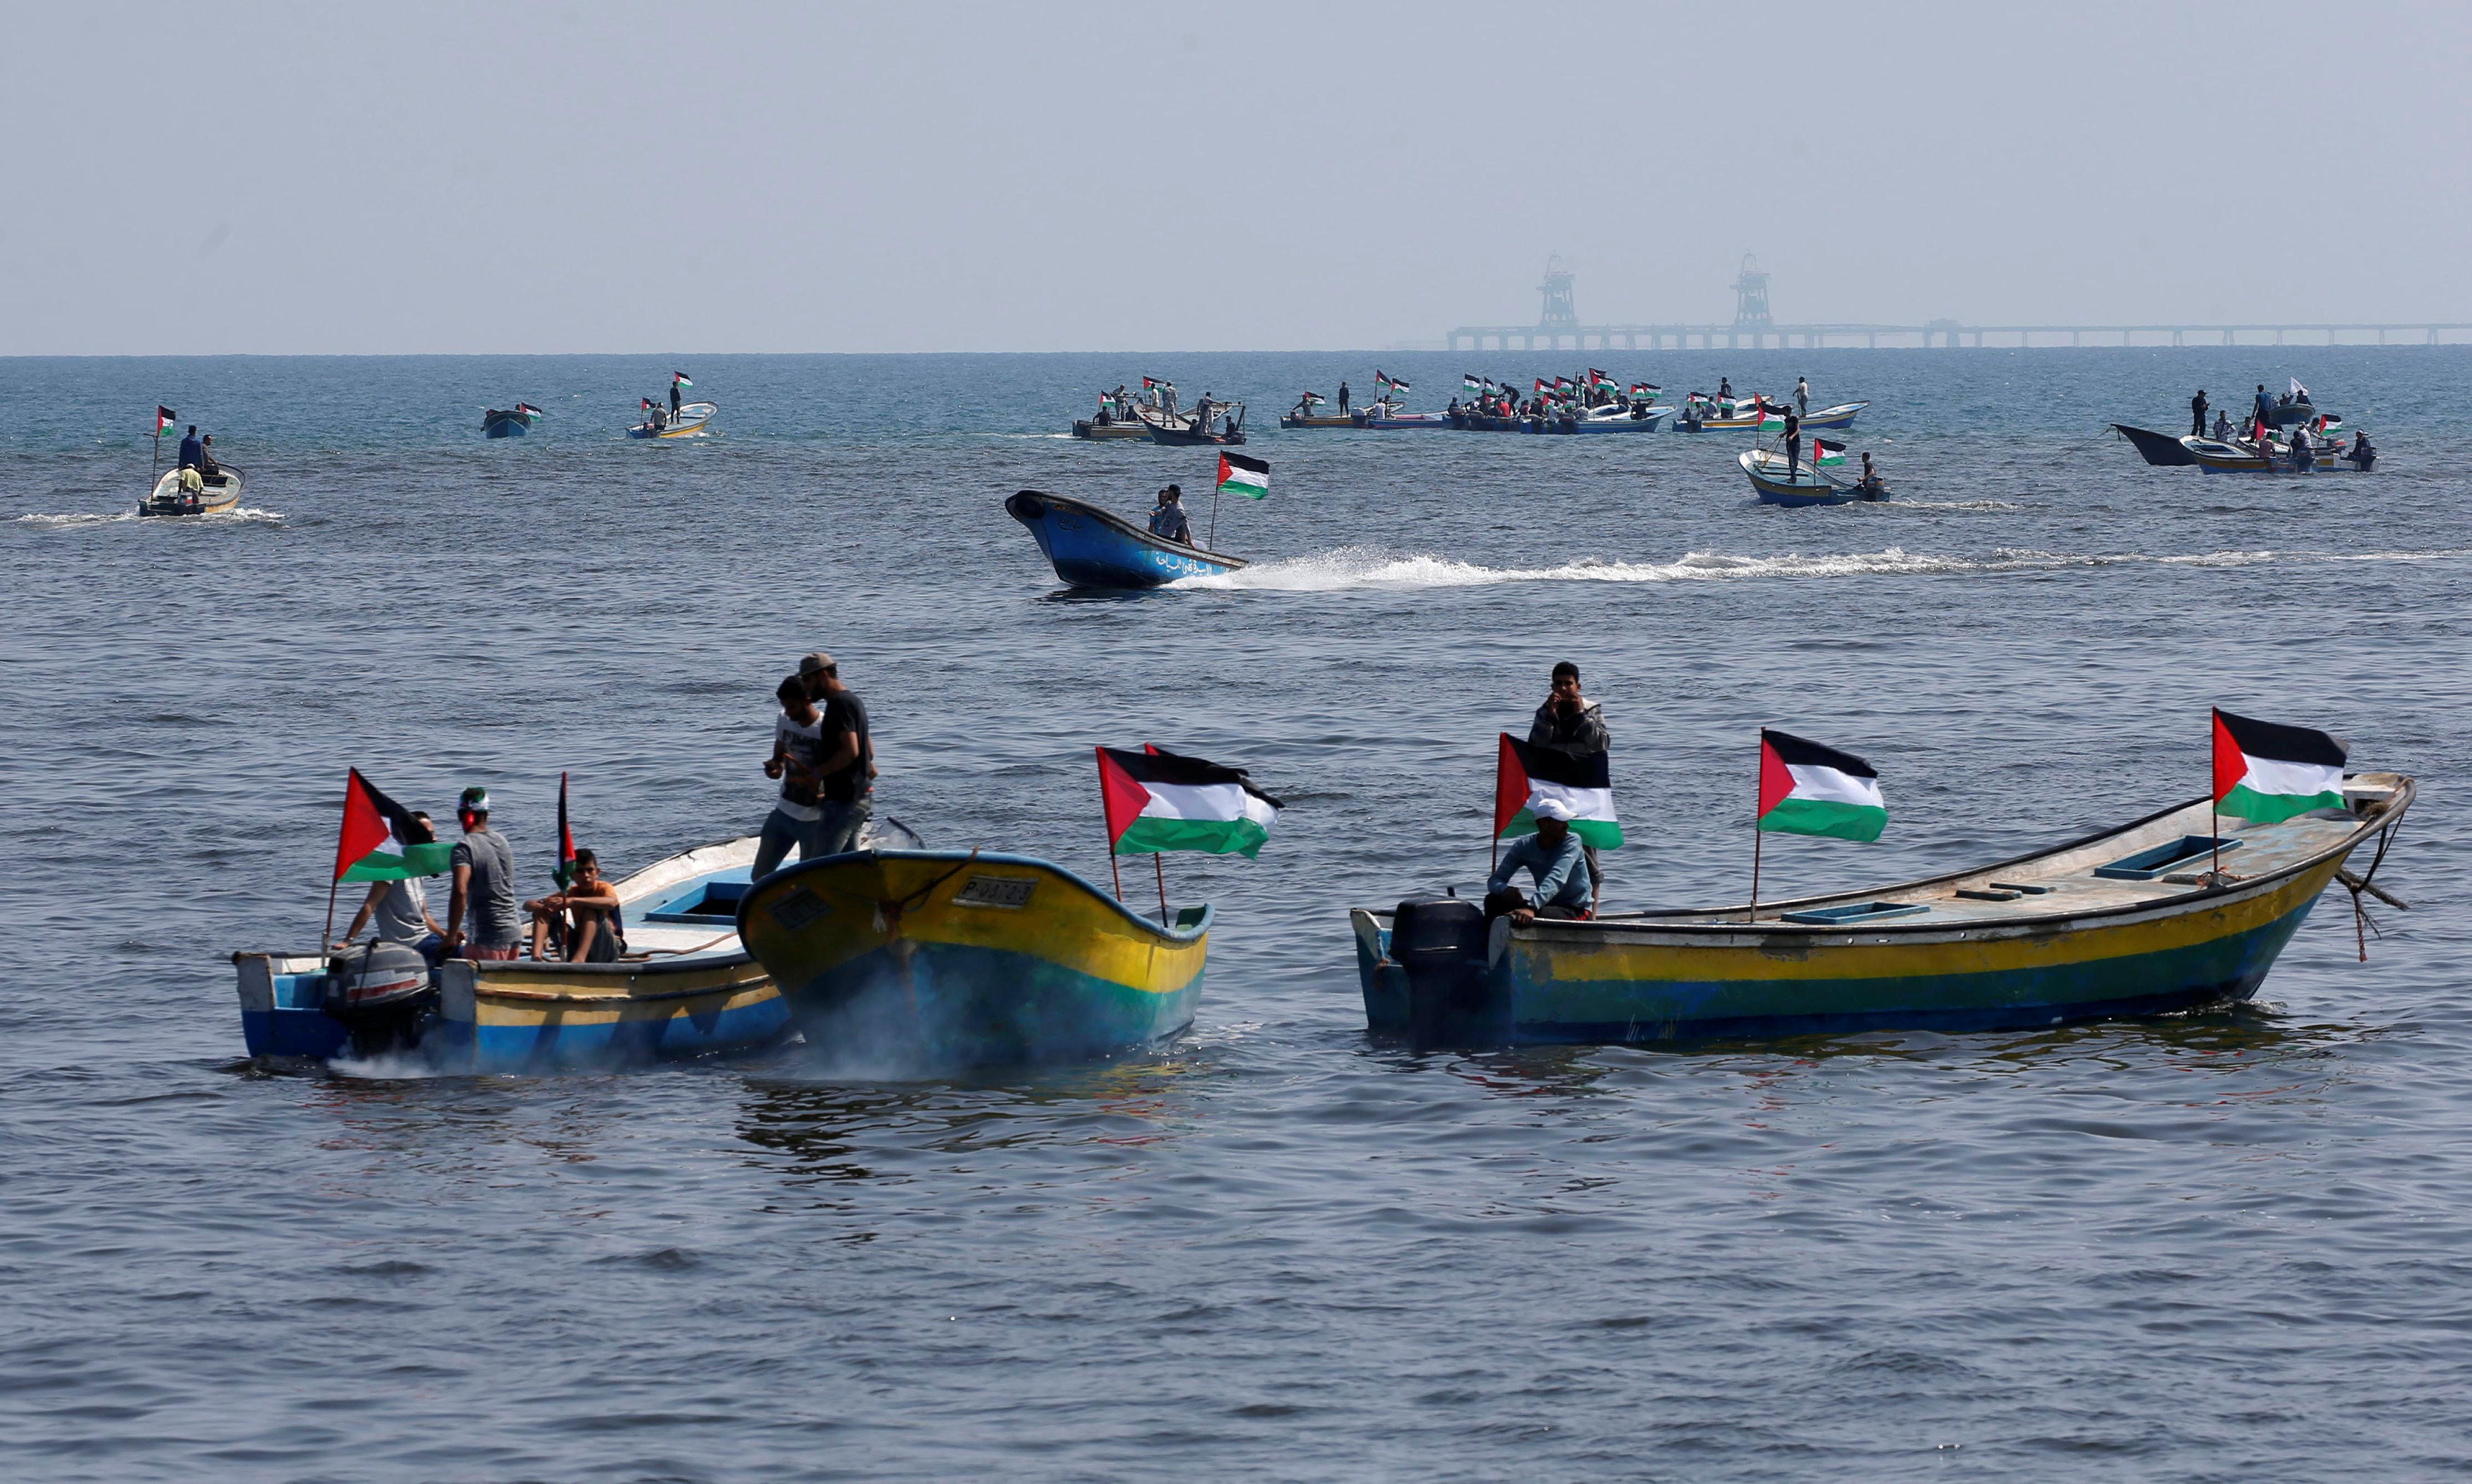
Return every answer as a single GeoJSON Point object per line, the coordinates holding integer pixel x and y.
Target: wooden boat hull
{"type": "Point", "coordinates": [694, 418]}
{"type": "Point", "coordinates": [1410, 422]}
{"type": "Point", "coordinates": [1187, 438]}
{"type": "Point", "coordinates": [1808, 487]}
{"type": "Point", "coordinates": [1104, 432]}
{"type": "Point", "coordinates": [519, 1015]}
{"type": "Point", "coordinates": [1090, 548]}
{"type": "Point", "coordinates": [167, 498]}
{"type": "Point", "coordinates": [2085, 948]}
{"type": "Point", "coordinates": [970, 958]}
{"type": "Point", "coordinates": [1292, 421]}
{"type": "Point", "coordinates": [2160, 449]}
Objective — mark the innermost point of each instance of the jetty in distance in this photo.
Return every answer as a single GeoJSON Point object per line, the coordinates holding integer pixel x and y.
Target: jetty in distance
{"type": "Point", "coordinates": [1753, 328]}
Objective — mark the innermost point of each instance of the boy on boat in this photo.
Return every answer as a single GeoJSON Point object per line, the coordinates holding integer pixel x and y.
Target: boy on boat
{"type": "Point", "coordinates": [797, 815]}
{"type": "Point", "coordinates": [1569, 722]}
{"type": "Point", "coordinates": [581, 919]}
{"type": "Point", "coordinates": [1167, 521]}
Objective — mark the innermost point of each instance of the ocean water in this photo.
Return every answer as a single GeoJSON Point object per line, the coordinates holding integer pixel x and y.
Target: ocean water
{"type": "Point", "coordinates": [2229, 1245]}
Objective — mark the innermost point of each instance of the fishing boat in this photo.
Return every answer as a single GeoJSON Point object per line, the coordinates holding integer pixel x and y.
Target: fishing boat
{"type": "Point", "coordinates": [691, 421]}
{"type": "Point", "coordinates": [216, 493]}
{"type": "Point", "coordinates": [1728, 417]}
{"type": "Point", "coordinates": [1803, 485]}
{"type": "Point", "coordinates": [1389, 416]}
{"type": "Point", "coordinates": [510, 422]}
{"type": "Point", "coordinates": [2160, 449]}
{"type": "Point", "coordinates": [1103, 428]}
{"type": "Point", "coordinates": [1295, 420]}
{"type": "Point", "coordinates": [970, 957]}
{"type": "Point", "coordinates": [686, 987]}
{"type": "Point", "coordinates": [2132, 922]}
{"type": "Point", "coordinates": [1638, 418]}
{"type": "Point", "coordinates": [1187, 429]}
{"type": "Point", "coordinates": [1090, 548]}
{"type": "Point", "coordinates": [1841, 415]}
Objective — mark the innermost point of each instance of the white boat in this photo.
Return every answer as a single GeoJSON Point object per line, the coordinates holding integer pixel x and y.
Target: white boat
{"type": "Point", "coordinates": [1638, 418]}
{"type": "Point", "coordinates": [213, 495]}
{"type": "Point", "coordinates": [690, 423]}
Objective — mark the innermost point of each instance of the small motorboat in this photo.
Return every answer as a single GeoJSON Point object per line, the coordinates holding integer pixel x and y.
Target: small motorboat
{"type": "Point", "coordinates": [1186, 429]}
{"type": "Point", "coordinates": [510, 422]}
{"type": "Point", "coordinates": [1638, 418]}
{"type": "Point", "coordinates": [1318, 419]}
{"type": "Point", "coordinates": [2160, 449]}
{"type": "Point", "coordinates": [1804, 485]}
{"type": "Point", "coordinates": [216, 492]}
{"type": "Point", "coordinates": [2239, 456]}
{"type": "Point", "coordinates": [1103, 427]}
{"type": "Point", "coordinates": [1090, 548]}
{"type": "Point", "coordinates": [1729, 417]}
{"type": "Point", "coordinates": [691, 422]}
{"type": "Point", "coordinates": [1393, 420]}
{"type": "Point", "coordinates": [1841, 415]}
{"type": "Point", "coordinates": [2132, 921]}
{"type": "Point", "coordinates": [970, 958]}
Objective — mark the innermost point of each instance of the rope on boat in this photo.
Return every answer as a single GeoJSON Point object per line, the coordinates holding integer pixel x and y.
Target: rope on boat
{"type": "Point", "coordinates": [2362, 924]}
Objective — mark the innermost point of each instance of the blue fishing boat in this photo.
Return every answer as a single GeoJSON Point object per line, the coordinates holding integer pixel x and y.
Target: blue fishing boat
{"type": "Point", "coordinates": [1841, 415]}
{"type": "Point", "coordinates": [1799, 485]}
{"type": "Point", "coordinates": [510, 422]}
{"type": "Point", "coordinates": [1091, 548]}
{"type": "Point", "coordinates": [2137, 921]}
{"type": "Point", "coordinates": [964, 957]}
{"type": "Point", "coordinates": [685, 987]}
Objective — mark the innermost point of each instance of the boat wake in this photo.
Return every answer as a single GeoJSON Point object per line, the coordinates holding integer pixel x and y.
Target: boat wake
{"type": "Point", "coordinates": [1364, 567]}
{"type": "Point", "coordinates": [76, 520]}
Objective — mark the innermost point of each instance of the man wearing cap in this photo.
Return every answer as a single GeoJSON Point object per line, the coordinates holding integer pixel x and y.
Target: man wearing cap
{"type": "Point", "coordinates": [1553, 859]}
{"type": "Point", "coordinates": [1168, 522]}
{"type": "Point", "coordinates": [483, 894]}
{"type": "Point", "coordinates": [846, 757]}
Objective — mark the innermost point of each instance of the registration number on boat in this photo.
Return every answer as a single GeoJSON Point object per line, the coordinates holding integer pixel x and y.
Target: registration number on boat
{"type": "Point", "coordinates": [1008, 891]}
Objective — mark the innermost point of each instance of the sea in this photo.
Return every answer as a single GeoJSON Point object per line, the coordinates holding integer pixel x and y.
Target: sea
{"type": "Point", "coordinates": [2228, 1245]}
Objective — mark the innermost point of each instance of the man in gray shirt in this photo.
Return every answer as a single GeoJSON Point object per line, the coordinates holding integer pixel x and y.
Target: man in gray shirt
{"type": "Point", "coordinates": [484, 870]}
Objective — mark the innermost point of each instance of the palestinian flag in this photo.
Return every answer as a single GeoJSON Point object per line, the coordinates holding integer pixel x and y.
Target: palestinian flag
{"type": "Point", "coordinates": [1241, 475]}
{"type": "Point", "coordinates": [1523, 773]}
{"type": "Point", "coordinates": [1147, 384]}
{"type": "Point", "coordinates": [1598, 378]}
{"type": "Point", "coordinates": [1641, 391]}
{"type": "Point", "coordinates": [1771, 419]}
{"type": "Point", "coordinates": [1158, 801]}
{"type": "Point", "coordinates": [2264, 772]}
{"type": "Point", "coordinates": [372, 825]}
{"type": "Point", "coordinates": [566, 872]}
{"type": "Point", "coordinates": [1807, 789]}
{"type": "Point", "coordinates": [164, 418]}
{"type": "Point", "coordinates": [680, 379]}
{"type": "Point", "coordinates": [1392, 382]}
{"type": "Point", "coordinates": [1825, 452]}
{"type": "Point", "coordinates": [1470, 382]}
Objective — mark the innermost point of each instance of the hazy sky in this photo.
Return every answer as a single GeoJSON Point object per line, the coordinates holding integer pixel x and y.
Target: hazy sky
{"type": "Point", "coordinates": [528, 177]}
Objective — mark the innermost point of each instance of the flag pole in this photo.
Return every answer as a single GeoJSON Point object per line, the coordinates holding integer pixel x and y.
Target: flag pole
{"type": "Point", "coordinates": [1158, 858]}
{"type": "Point", "coordinates": [2213, 804]}
{"type": "Point", "coordinates": [1113, 868]}
{"type": "Point", "coordinates": [1756, 840]}
{"type": "Point", "coordinates": [326, 936]}
{"type": "Point", "coordinates": [1214, 518]}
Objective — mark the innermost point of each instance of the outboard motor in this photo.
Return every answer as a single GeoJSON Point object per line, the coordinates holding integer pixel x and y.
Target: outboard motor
{"type": "Point", "coordinates": [382, 994]}
{"type": "Point", "coordinates": [1440, 943]}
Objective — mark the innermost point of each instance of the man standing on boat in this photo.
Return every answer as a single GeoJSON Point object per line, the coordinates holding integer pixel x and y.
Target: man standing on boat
{"type": "Point", "coordinates": [1342, 402]}
{"type": "Point", "coordinates": [2197, 414]}
{"type": "Point", "coordinates": [1572, 724]}
{"type": "Point", "coordinates": [797, 815]}
{"type": "Point", "coordinates": [481, 922]}
{"type": "Point", "coordinates": [1167, 521]}
{"type": "Point", "coordinates": [191, 450]}
{"type": "Point", "coordinates": [2265, 406]}
{"type": "Point", "coordinates": [845, 766]}
{"type": "Point", "coordinates": [1802, 397]}
{"type": "Point", "coordinates": [1792, 444]}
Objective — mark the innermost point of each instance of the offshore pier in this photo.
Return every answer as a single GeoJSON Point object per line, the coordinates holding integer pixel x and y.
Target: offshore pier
{"type": "Point", "coordinates": [1753, 327]}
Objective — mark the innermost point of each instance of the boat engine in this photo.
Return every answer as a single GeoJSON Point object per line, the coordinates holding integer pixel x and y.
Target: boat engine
{"type": "Point", "coordinates": [383, 995]}
{"type": "Point", "coordinates": [1440, 943]}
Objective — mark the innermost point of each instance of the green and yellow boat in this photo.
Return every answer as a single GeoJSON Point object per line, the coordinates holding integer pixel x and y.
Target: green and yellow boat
{"type": "Point", "coordinates": [2132, 922]}
{"type": "Point", "coordinates": [951, 956]}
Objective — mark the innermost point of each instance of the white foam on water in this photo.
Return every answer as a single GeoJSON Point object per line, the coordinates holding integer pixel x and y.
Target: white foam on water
{"type": "Point", "coordinates": [1365, 567]}
{"type": "Point", "coordinates": [75, 520]}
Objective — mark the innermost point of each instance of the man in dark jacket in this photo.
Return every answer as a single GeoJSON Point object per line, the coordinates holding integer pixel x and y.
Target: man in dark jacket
{"type": "Point", "coordinates": [191, 450]}
{"type": "Point", "coordinates": [1569, 722]}
{"type": "Point", "coordinates": [2197, 414]}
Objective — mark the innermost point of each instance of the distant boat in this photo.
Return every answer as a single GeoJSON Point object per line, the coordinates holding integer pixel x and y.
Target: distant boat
{"type": "Point", "coordinates": [1103, 427]}
{"type": "Point", "coordinates": [1841, 415]}
{"type": "Point", "coordinates": [1804, 485]}
{"type": "Point", "coordinates": [690, 423]}
{"type": "Point", "coordinates": [216, 493]}
{"type": "Point", "coordinates": [1187, 429]}
{"type": "Point", "coordinates": [1090, 548]}
{"type": "Point", "coordinates": [510, 422]}
{"type": "Point", "coordinates": [2160, 449]}
{"type": "Point", "coordinates": [1638, 418]}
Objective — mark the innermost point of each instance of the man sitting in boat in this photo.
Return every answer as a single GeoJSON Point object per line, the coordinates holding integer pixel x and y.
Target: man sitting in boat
{"type": "Point", "coordinates": [1870, 485]}
{"type": "Point", "coordinates": [1553, 857]}
{"type": "Point", "coordinates": [1167, 521]}
{"type": "Point", "coordinates": [583, 919]}
{"type": "Point", "coordinates": [401, 908]}
{"type": "Point", "coordinates": [208, 470]}
{"type": "Point", "coordinates": [2361, 453]}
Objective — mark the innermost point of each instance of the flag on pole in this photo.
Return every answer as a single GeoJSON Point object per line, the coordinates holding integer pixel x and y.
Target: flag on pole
{"type": "Point", "coordinates": [1598, 378]}
{"type": "Point", "coordinates": [1241, 475]}
{"type": "Point", "coordinates": [372, 823]}
{"type": "Point", "coordinates": [679, 378]}
{"type": "Point", "coordinates": [1641, 391]}
{"type": "Point", "coordinates": [566, 872]}
{"type": "Point", "coordinates": [1525, 773]}
{"type": "Point", "coordinates": [1807, 789]}
{"type": "Point", "coordinates": [1147, 384]}
{"type": "Point", "coordinates": [1157, 802]}
{"type": "Point", "coordinates": [1468, 381]}
{"type": "Point", "coordinates": [1824, 451]}
{"type": "Point", "coordinates": [2267, 772]}
{"type": "Point", "coordinates": [164, 418]}
{"type": "Point", "coordinates": [2300, 392]}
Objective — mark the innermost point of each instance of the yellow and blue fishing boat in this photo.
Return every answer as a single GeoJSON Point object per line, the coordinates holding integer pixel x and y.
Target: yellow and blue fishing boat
{"type": "Point", "coordinates": [692, 420]}
{"type": "Point", "coordinates": [2133, 921]}
{"type": "Point", "coordinates": [967, 957]}
{"type": "Point", "coordinates": [686, 987]}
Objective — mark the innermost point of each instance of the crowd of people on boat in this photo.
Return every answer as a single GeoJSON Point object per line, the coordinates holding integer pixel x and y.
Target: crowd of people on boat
{"type": "Point", "coordinates": [2314, 435]}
